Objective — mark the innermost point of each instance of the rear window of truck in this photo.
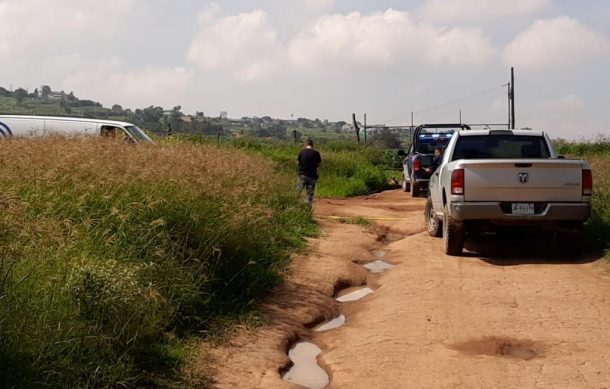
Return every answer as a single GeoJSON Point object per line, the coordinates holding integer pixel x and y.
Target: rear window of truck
{"type": "Point", "coordinates": [501, 147]}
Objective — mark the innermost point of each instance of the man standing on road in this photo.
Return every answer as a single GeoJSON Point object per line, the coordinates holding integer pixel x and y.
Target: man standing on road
{"type": "Point", "coordinates": [309, 160]}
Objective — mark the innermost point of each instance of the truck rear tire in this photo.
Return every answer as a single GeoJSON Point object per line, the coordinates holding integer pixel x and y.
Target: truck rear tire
{"type": "Point", "coordinates": [433, 224]}
{"type": "Point", "coordinates": [415, 192]}
{"type": "Point", "coordinates": [453, 235]}
{"type": "Point", "coordinates": [406, 185]}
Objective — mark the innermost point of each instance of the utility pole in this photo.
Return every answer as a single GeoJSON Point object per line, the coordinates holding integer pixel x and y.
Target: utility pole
{"type": "Point", "coordinates": [356, 128]}
{"type": "Point", "coordinates": [512, 96]}
{"type": "Point", "coordinates": [365, 129]}
{"type": "Point", "coordinates": [411, 129]}
{"type": "Point", "coordinates": [508, 110]}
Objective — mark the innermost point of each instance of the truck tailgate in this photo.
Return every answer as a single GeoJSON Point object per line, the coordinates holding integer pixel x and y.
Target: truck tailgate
{"type": "Point", "coordinates": [523, 180]}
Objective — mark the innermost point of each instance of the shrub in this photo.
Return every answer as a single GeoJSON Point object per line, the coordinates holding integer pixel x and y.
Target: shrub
{"type": "Point", "coordinates": [598, 154]}
{"type": "Point", "coordinates": [112, 255]}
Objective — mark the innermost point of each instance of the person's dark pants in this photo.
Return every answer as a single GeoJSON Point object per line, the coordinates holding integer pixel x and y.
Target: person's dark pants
{"type": "Point", "coordinates": [309, 184]}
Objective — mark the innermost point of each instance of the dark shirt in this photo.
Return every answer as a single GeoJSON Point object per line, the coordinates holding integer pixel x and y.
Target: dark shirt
{"type": "Point", "coordinates": [309, 160]}
{"type": "Point", "coordinates": [436, 161]}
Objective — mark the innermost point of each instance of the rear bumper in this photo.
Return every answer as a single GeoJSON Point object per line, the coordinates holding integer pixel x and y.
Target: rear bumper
{"type": "Point", "coordinates": [421, 176]}
{"type": "Point", "coordinates": [494, 211]}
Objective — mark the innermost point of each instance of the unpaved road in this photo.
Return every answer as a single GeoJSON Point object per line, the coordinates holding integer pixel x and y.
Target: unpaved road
{"type": "Point", "coordinates": [512, 318]}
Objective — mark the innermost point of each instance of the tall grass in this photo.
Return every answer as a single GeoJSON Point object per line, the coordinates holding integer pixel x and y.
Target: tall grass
{"type": "Point", "coordinates": [598, 155]}
{"type": "Point", "coordinates": [598, 227]}
{"type": "Point", "coordinates": [347, 169]}
{"type": "Point", "coordinates": [582, 149]}
{"type": "Point", "coordinates": [111, 254]}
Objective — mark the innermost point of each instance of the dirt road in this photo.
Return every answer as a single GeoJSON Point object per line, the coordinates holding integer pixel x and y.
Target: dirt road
{"type": "Point", "coordinates": [511, 318]}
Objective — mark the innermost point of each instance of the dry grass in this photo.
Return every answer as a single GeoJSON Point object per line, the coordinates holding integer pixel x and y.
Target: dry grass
{"type": "Point", "coordinates": [111, 253]}
{"type": "Point", "coordinates": [599, 225]}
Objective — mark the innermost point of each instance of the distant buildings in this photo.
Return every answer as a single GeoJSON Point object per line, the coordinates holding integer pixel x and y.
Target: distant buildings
{"type": "Point", "coordinates": [57, 96]}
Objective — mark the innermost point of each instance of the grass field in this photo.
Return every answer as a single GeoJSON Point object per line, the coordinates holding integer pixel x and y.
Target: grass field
{"type": "Point", "coordinates": [598, 155]}
{"type": "Point", "coordinates": [112, 255]}
{"type": "Point", "coordinates": [347, 169]}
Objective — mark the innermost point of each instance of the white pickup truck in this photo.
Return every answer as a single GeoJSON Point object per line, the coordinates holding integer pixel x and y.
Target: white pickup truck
{"type": "Point", "coordinates": [510, 178]}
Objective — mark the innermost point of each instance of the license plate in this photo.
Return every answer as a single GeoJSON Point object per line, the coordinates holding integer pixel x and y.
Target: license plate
{"type": "Point", "coordinates": [523, 209]}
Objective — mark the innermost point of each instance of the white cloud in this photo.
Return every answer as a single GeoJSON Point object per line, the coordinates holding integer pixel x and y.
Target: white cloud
{"type": "Point", "coordinates": [569, 102]}
{"type": "Point", "coordinates": [158, 86]}
{"type": "Point", "coordinates": [385, 39]}
{"type": "Point", "coordinates": [28, 24]}
{"type": "Point", "coordinates": [246, 45]}
{"type": "Point", "coordinates": [73, 70]}
{"type": "Point", "coordinates": [565, 117]}
{"type": "Point", "coordinates": [555, 43]}
{"type": "Point", "coordinates": [477, 10]}
{"type": "Point", "coordinates": [499, 106]}
{"type": "Point", "coordinates": [317, 4]}
{"type": "Point", "coordinates": [105, 80]}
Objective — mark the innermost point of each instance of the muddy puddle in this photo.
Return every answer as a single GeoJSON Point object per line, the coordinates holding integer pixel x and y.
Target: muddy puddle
{"type": "Point", "coordinates": [332, 324]}
{"type": "Point", "coordinates": [378, 266]}
{"type": "Point", "coordinates": [353, 294]}
{"type": "Point", "coordinates": [306, 372]}
{"type": "Point", "coordinates": [500, 347]}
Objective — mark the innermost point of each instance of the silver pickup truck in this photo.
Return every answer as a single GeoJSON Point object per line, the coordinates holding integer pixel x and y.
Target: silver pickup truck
{"type": "Point", "coordinates": [511, 178]}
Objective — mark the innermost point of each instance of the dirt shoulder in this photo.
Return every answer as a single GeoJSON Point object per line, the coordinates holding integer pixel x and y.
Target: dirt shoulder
{"type": "Point", "coordinates": [433, 321]}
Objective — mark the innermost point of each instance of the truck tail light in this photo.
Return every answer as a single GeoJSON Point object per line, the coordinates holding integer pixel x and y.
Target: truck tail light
{"type": "Point", "coordinates": [587, 183]}
{"type": "Point", "coordinates": [457, 182]}
{"type": "Point", "coordinates": [416, 164]}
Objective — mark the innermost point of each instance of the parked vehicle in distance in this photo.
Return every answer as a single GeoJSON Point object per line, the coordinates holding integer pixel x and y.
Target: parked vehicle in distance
{"type": "Point", "coordinates": [420, 156]}
{"type": "Point", "coordinates": [35, 126]}
{"type": "Point", "coordinates": [509, 178]}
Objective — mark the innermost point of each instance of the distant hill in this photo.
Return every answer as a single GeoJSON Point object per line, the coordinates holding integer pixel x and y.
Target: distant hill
{"type": "Point", "coordinates": [159, 120]}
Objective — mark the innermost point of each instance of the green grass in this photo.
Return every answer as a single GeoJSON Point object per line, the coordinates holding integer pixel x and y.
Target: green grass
{"type": "Point", "coordinates": [359, 220]}
{"type": "Point", "coordinates": [347, 169]}
{"type": "Point", "coordinates": [112, 257]}
{"type": "Point", "coordinates": [598, 155]}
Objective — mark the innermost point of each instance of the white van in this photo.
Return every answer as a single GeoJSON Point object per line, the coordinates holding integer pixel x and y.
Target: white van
{"type": "Point", "coordinates": [31, 126]}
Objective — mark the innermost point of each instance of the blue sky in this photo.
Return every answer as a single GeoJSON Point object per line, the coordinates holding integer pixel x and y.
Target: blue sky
{"type": "Point", "coordinates": [323, 58]}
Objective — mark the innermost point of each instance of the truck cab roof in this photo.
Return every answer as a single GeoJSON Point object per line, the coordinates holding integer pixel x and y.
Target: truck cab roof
{"type": "Point", "coordinates": [501, 132]}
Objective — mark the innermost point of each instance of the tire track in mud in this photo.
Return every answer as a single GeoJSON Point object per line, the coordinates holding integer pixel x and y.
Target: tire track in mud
{"type": "Point", "coordinates": [432, 321]}
{"type": "Point", "coordinates": [318, 376]}
{"type": "Point", "coordinates": [304, 369]}
{"type": "Point", "coordinates": [308, 299]}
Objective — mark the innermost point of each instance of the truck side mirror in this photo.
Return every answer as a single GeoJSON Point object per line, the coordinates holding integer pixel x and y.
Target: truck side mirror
{"type": "Point", "coordinates": [401, 153]}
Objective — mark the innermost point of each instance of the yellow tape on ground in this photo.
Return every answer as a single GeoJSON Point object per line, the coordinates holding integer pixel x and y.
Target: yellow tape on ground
{"type": "Point", "coordinates": [362, 217]}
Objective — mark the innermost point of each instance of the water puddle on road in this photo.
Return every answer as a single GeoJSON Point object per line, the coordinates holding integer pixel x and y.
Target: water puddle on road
{"type": "Point", "coordinates": [306, 372]}
{"type": "Point", "coordinates": [379, 254]}
{"type": "Point", "coordinates": [378, 266]}
{"type": "Point", "coordinates": [350, 294]}
{"type": "Point", "coordinates": [331, 325]}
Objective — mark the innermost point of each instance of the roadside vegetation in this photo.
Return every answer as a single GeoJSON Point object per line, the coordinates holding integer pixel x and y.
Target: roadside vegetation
{"type": "Point", "coordinates": [598, 155]}
{"type": "Point", "coordinates": [113, 256]}
{"type": "Point", "coordinates": [347, 169]}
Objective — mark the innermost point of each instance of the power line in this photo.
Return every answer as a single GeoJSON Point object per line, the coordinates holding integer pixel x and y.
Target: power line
{"type": "Point", "coordinates": [452, 102]}
{"type": "Point", "coordinates": [461, 99]}
{"type": "Point", "coordinates": [573, 106]}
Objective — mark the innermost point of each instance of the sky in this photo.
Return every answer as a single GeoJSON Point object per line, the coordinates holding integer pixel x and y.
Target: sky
{"type": "Point", "coordinates": [323, 59]}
